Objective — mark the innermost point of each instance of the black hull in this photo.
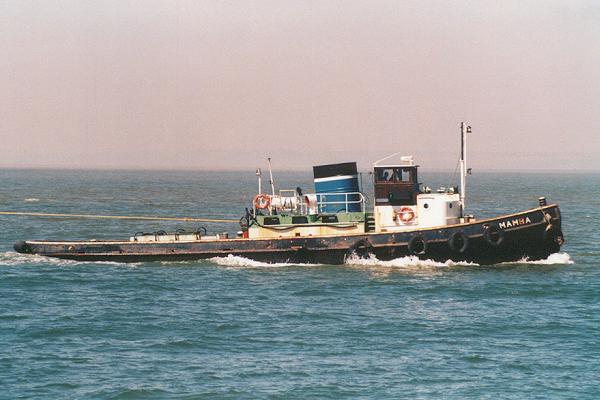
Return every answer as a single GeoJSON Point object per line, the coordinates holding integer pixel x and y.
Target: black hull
{"type": "Point", "coordinates": [534, 234]}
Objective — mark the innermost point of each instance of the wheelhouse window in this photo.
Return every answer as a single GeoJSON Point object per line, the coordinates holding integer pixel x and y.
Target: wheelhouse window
{"type": "Point", "coordinates": [404, 174]}
{"type": "Point", "coordinates": [385, 175]}
{"type": "Point", "coordinates": [396, 185]}
{"type": "Point", "coordinates": [398, 175]}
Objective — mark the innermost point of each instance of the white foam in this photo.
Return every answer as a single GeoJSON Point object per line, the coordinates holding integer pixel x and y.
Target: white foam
{"type": "Point", "coordinates": [11, 258]}
{"type": "Point", "coordinates": [237, 261]}
{"type": "Point", "coordinates": [553, 259]}
{"type": "Point", "coordinates": [404, 262]}
{"type": "Point", "coordinates": [31, 200]}
{"type": "Point", "coordinates": [372, 261]}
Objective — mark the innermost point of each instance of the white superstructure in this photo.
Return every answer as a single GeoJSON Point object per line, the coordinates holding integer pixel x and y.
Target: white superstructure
{"type": "Point", "coordinates": [401, 205]}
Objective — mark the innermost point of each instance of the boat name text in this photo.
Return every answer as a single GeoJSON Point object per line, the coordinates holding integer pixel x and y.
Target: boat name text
{"type": "Point", "coordinates": [514, 222]}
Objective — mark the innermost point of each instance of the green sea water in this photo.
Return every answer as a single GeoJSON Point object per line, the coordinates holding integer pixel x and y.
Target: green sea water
{"type": "Point", "coordinates": [231, 328]}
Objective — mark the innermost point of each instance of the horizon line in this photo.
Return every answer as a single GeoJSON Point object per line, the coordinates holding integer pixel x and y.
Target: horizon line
{"type": "Point", "coordinates": [200, 169]}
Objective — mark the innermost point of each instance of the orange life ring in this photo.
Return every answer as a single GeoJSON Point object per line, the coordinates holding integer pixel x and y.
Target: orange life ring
{"type": "Point", "coordinates": [261, 201]}
{"type": "Point", "coordinates": [406, 215]}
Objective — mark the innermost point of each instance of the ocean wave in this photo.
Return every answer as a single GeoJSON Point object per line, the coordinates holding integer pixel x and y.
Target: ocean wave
{"type": "Point", "coordinates": [553, 259]}
{"type": "Point", "coordinates": [404, 262]}
{"type": "Point", "coordinates": [237, 261]}
{"type": "Point", "coordinates": [31, 200]}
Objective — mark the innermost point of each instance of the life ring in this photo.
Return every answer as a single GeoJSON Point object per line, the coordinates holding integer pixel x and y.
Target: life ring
{"type": "Point", "coordinates": [405, 215]}
{"type": "Point", "coordinates": [261, 201]}
{"type": "Point", "coordinates": [458, 242]}
{"type": "Point", "coordinates": [493, 235]}
{"type": "Point", "coordinates": [417, 245]}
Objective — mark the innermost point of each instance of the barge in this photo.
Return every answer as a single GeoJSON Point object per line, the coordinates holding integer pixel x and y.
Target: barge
{"type": "Point", "coordinates": [333, 223]}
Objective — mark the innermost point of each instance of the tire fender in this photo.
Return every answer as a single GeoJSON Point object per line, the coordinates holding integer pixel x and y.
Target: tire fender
{"type": "Point", "coordinates": [493, 235]}
{"type": "Point", "coordinates": [417, 245]}
{"type": "Point", "coordinates": [458, 242]}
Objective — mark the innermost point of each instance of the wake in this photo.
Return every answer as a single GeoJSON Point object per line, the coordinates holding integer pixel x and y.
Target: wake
{"type": "Point", "coordinates": [553, 259]}
{"type": "Point", "coordinates": [11, 258]}
{"type": "Point", "coordinates": [237, 261]}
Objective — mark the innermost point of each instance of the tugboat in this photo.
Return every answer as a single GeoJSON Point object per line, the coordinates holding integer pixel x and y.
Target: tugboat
{"type": "Point", "coordinates": [333, 223]}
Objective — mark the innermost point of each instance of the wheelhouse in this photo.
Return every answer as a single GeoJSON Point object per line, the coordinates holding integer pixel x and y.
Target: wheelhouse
{"type": "Point", "coordinates": [396, 185]}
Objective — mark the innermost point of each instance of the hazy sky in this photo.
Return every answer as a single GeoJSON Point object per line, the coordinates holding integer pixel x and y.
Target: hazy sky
{"type": "Point", "coordinates": [224, 84]}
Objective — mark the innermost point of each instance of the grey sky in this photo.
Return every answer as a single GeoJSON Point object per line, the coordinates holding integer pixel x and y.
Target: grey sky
{"type": "Point", "coordinates": [223, 84]}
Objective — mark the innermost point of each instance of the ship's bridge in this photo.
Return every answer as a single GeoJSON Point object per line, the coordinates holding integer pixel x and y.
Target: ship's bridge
{"type": "Point", "coordinates": [400, 205]}
{"type": "Point", "coordinates": [396, 184]}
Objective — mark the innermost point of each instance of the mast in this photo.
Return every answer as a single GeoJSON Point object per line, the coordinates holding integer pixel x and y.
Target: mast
{"type": "Point", "coordinates": [271, 178]}
{"type": "Point", "coordinates": [463, 165]}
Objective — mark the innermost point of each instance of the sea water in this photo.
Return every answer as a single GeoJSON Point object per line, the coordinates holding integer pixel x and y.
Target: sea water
{"type": "Point", "coordinates": [232, 328]}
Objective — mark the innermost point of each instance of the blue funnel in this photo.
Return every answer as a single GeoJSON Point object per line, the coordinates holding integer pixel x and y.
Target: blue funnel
{"type": "Point", "coordinates": [337, 180]}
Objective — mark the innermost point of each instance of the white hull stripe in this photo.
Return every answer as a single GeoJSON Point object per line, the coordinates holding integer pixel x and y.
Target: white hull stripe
{"type": "Point", "coordinates": [335, 178]}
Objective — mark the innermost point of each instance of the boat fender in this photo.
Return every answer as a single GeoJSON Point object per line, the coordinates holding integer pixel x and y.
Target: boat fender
{"type": "Point", "coordinates": [361, 249]}
{"type": "Point", "coordinates": [261, 201]}
{"type": "Point", "coordinates": [553, 234]}
{"type": "Point", "coordinates": [458, 242]}
{"type": "Point", "coordinates": [493, 235]}
{"type": "Point", "coordinates": [559, 238]}
{"type": "Point", "coordinates": [417, 245]}
{"type": "Point", "coordinates": [405, 215]}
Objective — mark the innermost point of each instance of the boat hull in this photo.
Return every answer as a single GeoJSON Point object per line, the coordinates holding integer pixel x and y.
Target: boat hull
{"type": "Point", "coordinates": [534, 234]}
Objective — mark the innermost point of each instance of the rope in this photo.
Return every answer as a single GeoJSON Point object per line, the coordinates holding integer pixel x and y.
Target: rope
{"type": "Point", "coordinates": [184, 219]}
{"type": "Point", "coordinates": [454, 174]}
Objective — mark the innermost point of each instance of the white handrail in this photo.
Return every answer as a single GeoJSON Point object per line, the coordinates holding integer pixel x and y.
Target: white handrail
{"type": "Point", "coordinates": [321, 203]}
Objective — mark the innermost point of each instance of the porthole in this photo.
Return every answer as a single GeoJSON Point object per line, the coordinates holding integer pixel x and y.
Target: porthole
{"type": "Point", "coordinates": [426, 205]}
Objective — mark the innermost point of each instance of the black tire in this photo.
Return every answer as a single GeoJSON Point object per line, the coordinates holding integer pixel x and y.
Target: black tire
{"type": "Point", "coordinates": [362, 249]}
{"type": "Point", "coordinates": [553, 234]}
{"type": "Point", "coordinates": [458, 242]}
{"type": "Point", "coordinates": [493, 235]}
{"type": "Point", "coordinates": [417, 245]}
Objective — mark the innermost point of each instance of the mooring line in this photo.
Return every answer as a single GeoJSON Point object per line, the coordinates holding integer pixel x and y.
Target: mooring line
{"type": "Point", "coordinates": [184, 219]}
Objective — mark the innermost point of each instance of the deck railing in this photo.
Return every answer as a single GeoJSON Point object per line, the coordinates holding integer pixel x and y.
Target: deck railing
{"type": "Point", "coordinates": [344, 204]}
{"type": "Point", "coordinates": [341, 202]}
